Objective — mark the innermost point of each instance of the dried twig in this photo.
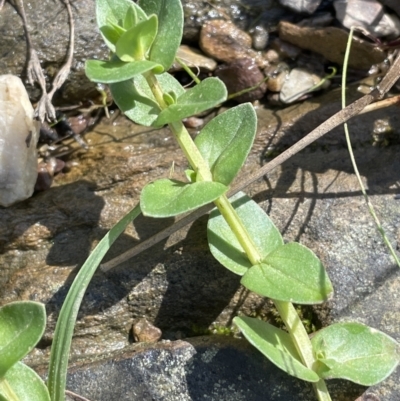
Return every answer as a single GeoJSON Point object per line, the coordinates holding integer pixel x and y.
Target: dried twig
{"type": "Point", "coordinates": [339, 118]}
{"type": "Point", "coordinates": [76, 396]}
{"type": "Point", "coordinates": [45, 107]}
{"type": "Point", "coordinates": [34, 70]}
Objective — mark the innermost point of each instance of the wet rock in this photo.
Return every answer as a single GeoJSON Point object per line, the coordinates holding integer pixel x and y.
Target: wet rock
{"type": "Point", "coordinates": [285, 49]}
{"type": "Point", "coordinates": [144, 331]}
{"type": "Point", "coordinates": [276, 76]}
{"type": "Point", "coordinates": [49, 30]}
{"type": "Point", "coordinates": [213, 368]}
{"type": "Point", "coordinates": [46, 171]}
{"type": "Point", "coordinates": [301, 6]}
{"type": "Point", "coordinates": [260, 37]}
{"type": "Point", "coordinates": [19, 135]}
{"type": "Point", "coordinates": [177, 285]}
{"type": "Point", "coordinates": [331, 43]}
{"type": "Point", "coordinates": [193, 58]}
{"type": "Point", "coordinates": [225, 42]}
{"type": "Point", "coordinates": [266, 14]}
{"type": "Point", "coordinates": [298, 82]}
{"type": "Point", "coordinates": [318, 20]}
{"type": "Point", "coordinates": [368, 14]}
{"type": "Point", "coordinates": [240, 75]}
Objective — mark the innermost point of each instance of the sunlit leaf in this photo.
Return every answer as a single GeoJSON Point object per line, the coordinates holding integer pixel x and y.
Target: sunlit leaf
{"type": "Point", "coordinates": [355, 352]}
{"type": "Point", "coordinates": [24, 383]}
{"type": "Point", "coordinates": [207, 94]}
{"type": "Point", "coordinates": [114, 11]}
{"type": "Point", "coordinates": [223, 243]}
{"type": "Point", "coordinates": [290, 273]}
{"type": "Point", "coordinates": [21, 326]}
{"type": "Point", "coordinates": [136, 41]}
{"type": "Point", "coordinates": [131, 17]}
{"type": "Point", "coordinates": [226, 141]}
{"type": "Point", "coordinates": [276, 345]}
{"type": "Point", "coordinates": [116, 71]}
{"type": "Point", "coordinates": [136, 100]}
{"type": "Point", "coordinates": [166, 198]}
{"type": "Point", "coordinates": [170, 29]}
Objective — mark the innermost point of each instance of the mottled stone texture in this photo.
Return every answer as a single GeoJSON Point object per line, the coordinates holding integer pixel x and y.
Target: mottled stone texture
{"type": "Point", "coordinates": [18, 139]}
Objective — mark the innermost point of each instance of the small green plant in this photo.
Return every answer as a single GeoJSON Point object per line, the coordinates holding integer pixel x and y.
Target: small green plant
{"type": "Point", "coordinates": [143, 39]}
{"type": "Point", "coordinates": [21, 326]}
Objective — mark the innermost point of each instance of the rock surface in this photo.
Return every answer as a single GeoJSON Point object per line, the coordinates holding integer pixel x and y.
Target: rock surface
{"type": "Point", "coordinates": [302, 6]}
{"type": "Point", "coordinates": [225, 42]}
{"type": "Point", "coordinates": [297, 83]}
{"type": "Point", "coordinates": [177, 285]}
{"type": "Point", "coordinates": [368, 14]}
{"type": "Point", "coordinates": [240, 75]}
{"type": "Point", "coordinates": [206, 368]}
{"type": "Point", "coordinates": [331, 43]}
{"type": "Point", "coordinates": [49, 30]}
{"type": "Point", "coordinates": [19, 134]}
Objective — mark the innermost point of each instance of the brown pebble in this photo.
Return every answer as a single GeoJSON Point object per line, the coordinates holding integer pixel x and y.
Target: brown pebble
{"type": "Point", "coordinates": [224, 41]}
{"type": "Point", "coordinates": [240, 75]}
{"type": "Point", "coordinates": [144, 331]}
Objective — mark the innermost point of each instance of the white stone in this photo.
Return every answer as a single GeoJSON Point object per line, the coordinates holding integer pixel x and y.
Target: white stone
{"type": "Point", "coordinates": [19, 134]}
{"type": "Point", "coordinates": [367, 14]}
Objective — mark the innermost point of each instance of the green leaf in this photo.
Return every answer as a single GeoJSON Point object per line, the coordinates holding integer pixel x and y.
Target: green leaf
{"type": "Point", "coordinates": [21, 326]}
{"type": "Point", "coordinates": [114, 11]}
{"type": "Point", "coordinates": [66, 321]}
{"type": "Point", "coordinates": [116, 71]}
{"type": "Point", "coordinates": [23, 384]}
{"type": "Point", "coordinates": [355, 352]}
{"type": "Point", "coordinates": [135, 43]}
{"type": "Point", "coordinates": [207, 94]}
{"type": "Point", "coordinates": [170, 29]}
{"type": "Point", "coordinates": [166, 198]}
{"type": "Point", "coordinates": [226, 141]}
{"type": "Point", "coordinates": [112, 32]}
{"type": "Point", "coordinates": [290, 273]}
{"type": "Point", "coordinates": [223, 243]}
{"type": "Point", "coordinates": [276, 345]}
{"type": "Point", "coordinates": [131, 18]}
{"type": "Point", "coordinates": [136, 100]}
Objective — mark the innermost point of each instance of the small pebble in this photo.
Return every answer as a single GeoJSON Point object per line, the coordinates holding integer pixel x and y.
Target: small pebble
{"type": "Point", "coordinates": [144, 331]}
{"type": "Point", "coordinates": [260, 37]}
{"type": "Point", "coordinates": [368, 14]}
{"type": "Point", "coordinates": [301, 6]}
{"type": "Point", "coordinates": [240, 75]}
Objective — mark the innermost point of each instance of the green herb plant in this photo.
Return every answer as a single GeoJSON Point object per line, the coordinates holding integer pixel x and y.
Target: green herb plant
{"type": "Point", "coordinates": [143, 39]}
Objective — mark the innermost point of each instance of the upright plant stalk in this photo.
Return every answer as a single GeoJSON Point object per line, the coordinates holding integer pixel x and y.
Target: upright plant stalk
{"type": "Point", "coordinates": [144, 41]}
{"type": "Point", "coordinates": [286, 310]}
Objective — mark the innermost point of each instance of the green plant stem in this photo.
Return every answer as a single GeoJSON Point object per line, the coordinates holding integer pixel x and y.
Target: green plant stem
{"type": "Point", "coordinates": [302, 343]}
{"type": "Point", "coordinates": [287, 311]}
{"type": "Point", "coordinates": [188, 70]}
{"type": "Point", "coordinates": [236, 225]}
{"type": "Point", "coordinates": [181, 134]}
